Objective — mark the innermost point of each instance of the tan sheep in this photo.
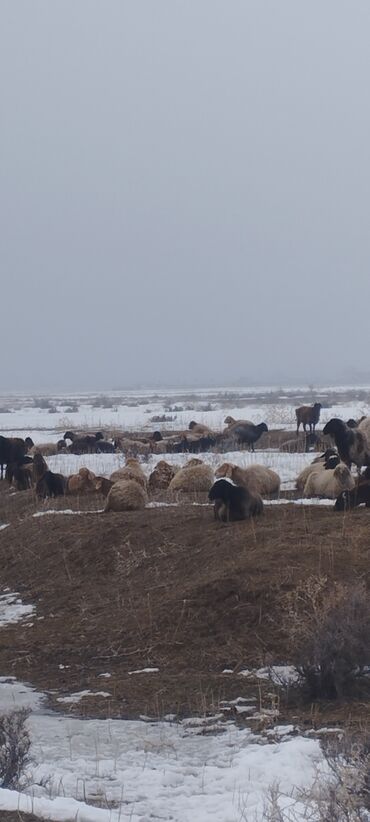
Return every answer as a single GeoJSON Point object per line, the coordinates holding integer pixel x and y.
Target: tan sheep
{"type": "Point", "coordinates": [198, 428]}
{"type": "Point", "coordinates": [82, 483]}
{"type": "Point", "coordinates": [192, 478]}
{"type": "Point", "coordinates": [329, 483]}
{"type": "Point", "coordinates": [132, 470]}
{"type": "Point", "coordinates": [47, 449]}
{"type": "Point", "coordinates": [256, 478]}
{"type": "Point", "coordinates": [126, 495]}
{"type": "Point", "coordinates": [133, 446]}
{"type": "Point", "coordinates": [313, 468]}
{"type": "Point", "coordinates": [364, 427]}
{"type": "Point", "coordinates": [161, 476]}
{"type": "Point", "coordinates": [230, 421]}
{"type": "Point", "coordinates": [103, 486]}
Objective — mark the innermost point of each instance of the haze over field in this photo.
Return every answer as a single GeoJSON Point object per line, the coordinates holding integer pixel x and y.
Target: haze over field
{"type": "Point", "coordinates": [183, 192]}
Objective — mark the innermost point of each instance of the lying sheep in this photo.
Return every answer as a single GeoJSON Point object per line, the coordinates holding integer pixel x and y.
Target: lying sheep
{"type": "Point", "coordinates": [308, 415]}
{"type": "Point", "coordinates": [329, 483]}
{"type": "Point", "coordinates": [198, 428]}
{"type": "Point", "coordinates": [133, 447]}
{"type": "Point", "coordinates": [81, 483]}
{"type": "Point", "coordinates": [161, 476]}
{"type": "Point", "coordinates": [192, 478]}
{"type": "Point", "coordinates": [126, 495]}
{"type": "Point", "coordinates": [131, 471]}
{"type": "Point", "coordinates": [328, 460]}
{"type": "Point", "coordinates": [257, 478]}
{"type": "Point", "coordinates": [352, 443]}
{"type": "Point", "coordinates": [51, 485]}
{"type": "Point", "coordinates": [233, 502]}
{"type": "Point", "coordinates": [39, 466]}
{"type": "Point", "coordinates": [103, 485]}
{"type": "Point", "coordinates": [104, 447]}
{"type": "Point", "coordinates": [48, 449]}
{"type": "Point", "coordinates": [360, 495]}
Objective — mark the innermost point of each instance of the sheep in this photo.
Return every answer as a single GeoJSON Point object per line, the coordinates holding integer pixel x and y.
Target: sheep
{"type": "Point", "coordinates": [352, 443]}
{"type": "Point", "coordinates": [39, 466]}
{"type": "Point", "coordinates": [198, 428]}
{"type": "Point", "coordinates": [359, 495]}
{"type": "Point", "coordinates": [308, 415]}
{"type": "Point", "coordinates": [230, 421]}
{"type": "Point", "coordinates": [104, 447]}
{"type": "Point", "coordinates": [21, 475]}
{"type": "Point", "coordinates": [233, 502]}
{"type": "Point", "coordinates": [244, 433]}
{"type": "Point", "coordinates": [51, 485]}
{"type": "Point", "coordinates": [81, 483]}
{"type": "Point", "coordinates": [328, 460]}
{"type": "Point", "coordinates": [12, 449]}
{"type": "Point", "coordinates": [48, 449]}
{"type": "Point", "coordinates": [329, 483]}
{"type": "Point", "coordinates": [126, 495]}
{"type": "Point", "coordinates": [131, 471]}
{"type": "Point", "coordinates": [103, 485]}
{"type": "Point", "coordinates": [161, 476]}
{"type": "Point", "coordinates": [192, 478]}
{"type": "Point", "coordinates": [257, 478]}
{"type": "Point", "coordinates": [354, 423]}
{"type": "Point", "coordinates": [134, 447]}
{"type": "Point", "coordinates": [83, 443]}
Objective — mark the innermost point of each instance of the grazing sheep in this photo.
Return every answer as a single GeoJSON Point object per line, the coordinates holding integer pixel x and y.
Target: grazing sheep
{"type": "Point", "coordinates": [359, 495]}
{"type": "Point", "coordinates": [161, 476]}
{"type": "Point", "coordinates": [329, 483]}
{"type": "Point", "coordinates": [131, 471]}
{"type": "Point", "coordinates": [352, 443]}
{"type": "Point", "coordinates": [126, 495]}
{"type": "Point", "coordinates": [257, 478]}
{"type": "Point", "coordinates": [243, 433]}
{"type": "Point", "coordinates": [81, 483]}
{"type": "Point", "coordinates": [233, 502]}
{"type": "Point", "coordinates": [51, 485]}
{"type": "Point", "coordinates": [192, 478]}
{"type": "Point", "coordinates": [308, 415]}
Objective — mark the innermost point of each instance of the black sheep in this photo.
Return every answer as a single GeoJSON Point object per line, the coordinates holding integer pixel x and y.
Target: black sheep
{"type": "Point", "coordinates": [12, 450]}
{"type": "Point", "coordinates": [51, 485]}
{"type": "Point", "coordinates": [234, 502]}
{"type": "Point", "coordinates": [351, 499]}
{"type": "Point", "coordinates": [351, 443]}
{"type": "Point", "coordinates": [244, 433]}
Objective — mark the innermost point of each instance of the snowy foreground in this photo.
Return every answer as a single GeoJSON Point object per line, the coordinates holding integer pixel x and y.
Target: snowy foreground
{"type": "Point", "coordinates": [143, 771]}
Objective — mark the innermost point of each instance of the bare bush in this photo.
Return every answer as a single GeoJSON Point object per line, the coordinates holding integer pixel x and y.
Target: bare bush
{"type": "Point", "coordinates": [328, 629]}
{"type": "Point", "coordinates": [14, 747]}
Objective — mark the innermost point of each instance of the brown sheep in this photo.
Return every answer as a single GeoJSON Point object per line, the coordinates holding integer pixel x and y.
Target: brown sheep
{"type": "Point", "coordinates": [308, 415]}
{"type": "Point", "coordinates": [161, 476]}
{"type": "Point", "coordinates": [198, 428]}
{"type": "Point", "coordinates": [39, 466]}
{"type": "Point", "coordinates": [132, 470]}
{"type": "Point", "coordinates": [81, 483]}
{"type": "Point", "coordinates": [133, 447]}
{"type": "Point", "coordinates": [126, 495]}
{"type": "Point", "coordinates": [230, 421]}
{"type": "Point", "coordinates": [329, 483]}
{"type": "Point", "coordinates": [192, 478]}
{"type": "Point", "coordinates": [257, 478]}
{"type": "Point", "coordinates": [103, 485]}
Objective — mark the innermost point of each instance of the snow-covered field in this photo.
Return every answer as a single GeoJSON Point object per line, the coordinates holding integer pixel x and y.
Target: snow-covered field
{"type": "Point", "coordinates": [145, 770]}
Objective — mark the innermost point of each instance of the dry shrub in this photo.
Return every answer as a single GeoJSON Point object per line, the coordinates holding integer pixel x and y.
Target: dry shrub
{"type": "Point", "coordinates": [14, 747]}
{"type": "Point", "coordinates": [328, 629]}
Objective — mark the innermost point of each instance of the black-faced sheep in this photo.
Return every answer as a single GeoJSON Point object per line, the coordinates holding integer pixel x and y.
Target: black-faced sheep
{"type": "Point", "coordinates": [352, 443]}
{"type": "Point", "coordinates": [326, 461]}
{"type": "Point", "coordinates": [192, 478]}
{"type": "Point", "coordinates": [161, 476]}
{"type": "Point", "coordinates": [243, 433]}
{"type": "Point", "coordinates": [329, 483]}
{"type": "Point", "coordinates": [51, 485]}
{"type": "Point", "coordinates": [12, 449]}
{"type": "Point", "coordinates": [257, 478]}
{"type": "Point", "coordinates": [126, 495]}
{"type": "Point", "coordinates": [308, 415]}
{"type": "Point", "coordinates": [233, 502]}
{"type": "Point", "coordinates": [360, 495]}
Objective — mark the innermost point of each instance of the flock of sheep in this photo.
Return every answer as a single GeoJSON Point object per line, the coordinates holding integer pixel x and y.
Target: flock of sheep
{"type": "Point", "coordinates": [236, 493]}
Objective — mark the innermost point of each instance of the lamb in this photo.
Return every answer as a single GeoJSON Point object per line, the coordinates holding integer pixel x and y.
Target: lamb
{"type": "Point", "coordinates": [257, 478]}
{"type": "Point", "coordinates": [131, 471]}
{"type": "Point", "coordinates": [244, 433]}
{"type": "Point", "coordinates": [308, 415]}
{"type": "Point", "coordinates": [329, 483]}
{"type": "Point", "coordinates": [233, 502]}
{"type": "Point", "coordinates": [81, 483]}
{"type": "Point", "coordinates": [352, 443]}
{"type": "Point", "coordinates": [161, 476]}
{"type": "Point", "coordinates": [126, 495]}
{"type": "Point", "coordinates": [51, 485]}
{"type": "Point", "coordinates": [192, 478]}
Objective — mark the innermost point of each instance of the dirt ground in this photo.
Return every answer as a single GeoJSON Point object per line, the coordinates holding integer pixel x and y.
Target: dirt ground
{"type": "Point", "coordinates": [166, 588]}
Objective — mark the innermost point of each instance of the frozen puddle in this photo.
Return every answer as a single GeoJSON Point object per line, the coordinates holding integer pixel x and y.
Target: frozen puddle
{"type": "Point", "coordinates": [150, 770]}
{"type": "Point", "coordinates": [12, 608]}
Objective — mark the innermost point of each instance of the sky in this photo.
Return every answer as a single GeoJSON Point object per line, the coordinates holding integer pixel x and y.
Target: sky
{"type": "Point", "coordinates": [184, 192]}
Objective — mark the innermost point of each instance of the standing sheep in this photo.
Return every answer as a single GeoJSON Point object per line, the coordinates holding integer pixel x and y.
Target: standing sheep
{"type": "Point", "coordinates": [308, 415]}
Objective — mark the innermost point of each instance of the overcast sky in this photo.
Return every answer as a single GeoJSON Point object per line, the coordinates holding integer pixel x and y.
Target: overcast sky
{"type": "Point", "coordinates": [184, 191]}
